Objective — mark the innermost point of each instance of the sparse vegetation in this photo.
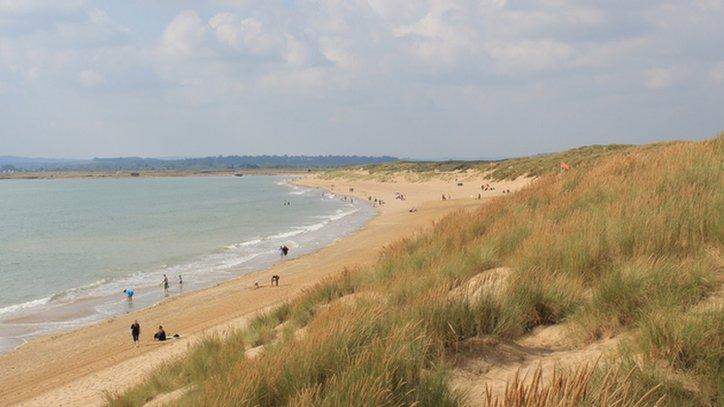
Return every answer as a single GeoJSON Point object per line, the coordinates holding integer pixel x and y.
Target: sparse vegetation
{"type": "Point", "coordinates": [507, 169]}
{"type": "Point", "coordinates": [628, 240]}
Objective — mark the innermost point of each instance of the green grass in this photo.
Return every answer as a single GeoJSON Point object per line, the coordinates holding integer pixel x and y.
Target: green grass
{"type": "Point", "coordinates": [626, 242]}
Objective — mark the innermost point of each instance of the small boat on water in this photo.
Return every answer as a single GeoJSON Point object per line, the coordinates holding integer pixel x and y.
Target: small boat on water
{"type": "Point", "coordinates": [238, 174]}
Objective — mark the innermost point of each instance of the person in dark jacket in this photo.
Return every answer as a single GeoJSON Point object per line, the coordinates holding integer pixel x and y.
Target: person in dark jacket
{"type": "Point", "coordinates": [135, 331]}
{"type": "Point", "coordinates": [160, 335]}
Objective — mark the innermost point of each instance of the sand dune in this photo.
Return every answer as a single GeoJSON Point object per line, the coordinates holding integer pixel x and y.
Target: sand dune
{"type": "Point", "coordinates": [77, 367]}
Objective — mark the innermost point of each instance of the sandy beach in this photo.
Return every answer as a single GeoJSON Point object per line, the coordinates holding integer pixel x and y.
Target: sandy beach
{"type": "Point", "coordinates": [77, 367]}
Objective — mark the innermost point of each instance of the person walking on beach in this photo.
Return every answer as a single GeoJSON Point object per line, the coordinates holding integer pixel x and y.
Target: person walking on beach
{"type": "Point", "coordinates": [135, 332]}
{"type": "Point", "coordinates": [165, 284]}
{"type": "Point", "coordinates": [180, 281]}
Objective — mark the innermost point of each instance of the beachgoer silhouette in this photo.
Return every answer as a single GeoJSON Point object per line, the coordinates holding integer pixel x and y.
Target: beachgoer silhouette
{"type": "Point", "coordinates": [275, 280]}
{"type": "Point", "coordinates": [165, 284]}
{"type": "Point", "coordinates": [160, 335]}
{"type": "Point", "coordinates": [285, 250]}
{"type": "Point", "coordinates": [135, 331]}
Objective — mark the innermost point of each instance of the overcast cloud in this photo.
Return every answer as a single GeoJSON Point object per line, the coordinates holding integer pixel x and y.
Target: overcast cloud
{"type": "Point", "coordinates": [411, 78]}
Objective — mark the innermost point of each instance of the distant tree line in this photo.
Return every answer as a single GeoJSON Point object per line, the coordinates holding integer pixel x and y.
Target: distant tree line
{"type": "Point", "coordinates": [211, 163]}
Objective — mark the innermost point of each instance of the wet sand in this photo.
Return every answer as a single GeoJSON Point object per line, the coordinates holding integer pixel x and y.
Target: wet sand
{"type": "Point", "coordinates": [77, 367]}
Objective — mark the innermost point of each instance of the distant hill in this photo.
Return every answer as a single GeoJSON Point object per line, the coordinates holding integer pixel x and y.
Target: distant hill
{"type": "Point", "coordinates": [218, 162]}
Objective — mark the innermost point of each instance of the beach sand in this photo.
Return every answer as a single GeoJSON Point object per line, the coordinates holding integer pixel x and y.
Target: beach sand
{"type": "Point", "coordinates": [77, 367]}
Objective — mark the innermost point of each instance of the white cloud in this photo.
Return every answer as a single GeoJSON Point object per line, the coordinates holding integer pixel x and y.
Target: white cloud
{"type": "Point", "coordinates": [422, 67]}
{"type": "Point", "coordinates": [226, 28]}
{"type": "Point", "coordinates": [294, 81]}
{"type": "Point", "coordinates": [529, 55]}
{"type": "Point", "coordinates": [717, 72]}
{"type": "Point", "coordinates": [183, 35]}
{"type": "Point", "coordinates": [248, 34]}
{"type": "Point", "coordinates": [396, 10]}
{"type": "Point", "coordinates": [658, 78]}
{"type": "Point", "coordinates": [34, 6]}
{"type": "Point", "coordinates": [90, 77]}
{"type": "Point", "coordinates": [336, 52]}
{"type": "Point", "coordinates": [256, 39]}
{"type": "Point", "coordinates": [607, 54]}
{"type": "Point", "coordinates": [296, 52]}
{"type": "Point", "coordinates": [443, 35]}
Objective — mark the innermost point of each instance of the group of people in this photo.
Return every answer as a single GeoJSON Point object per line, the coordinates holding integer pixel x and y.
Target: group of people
{"type": "Point", "coordinates": [287, 203]}
{"type": "Point", "coordinates": [130, 292]}
{"type": "Point", "coordinates": [274, 281]}
{"type": "Point", "coordinates": [165, 283]}
{"type": "Point", "coordinates": [375, 201]}
{"type": "Point", "coordinates": [283, 251]}
{"type": "Point", "coordinates": [160, 334]}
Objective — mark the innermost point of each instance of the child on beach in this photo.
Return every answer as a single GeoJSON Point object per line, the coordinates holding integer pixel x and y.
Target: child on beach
{"type": "Point", "coordinates": [275, 280]}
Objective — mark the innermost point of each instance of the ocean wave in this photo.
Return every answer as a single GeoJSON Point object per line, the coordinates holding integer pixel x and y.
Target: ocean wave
{"type": "Point", "coordinates": [25, 305]}
{"type": "Point", "coordinates": [283, 235]}
{"type": "Point", "coordinates": [201, 271]}
{"type": "Point", "coordinates": [103, 298]}
{"type": "Point", "coordinates": [200, 267]}
{"type": "Point", "coordinates": [247, 243]}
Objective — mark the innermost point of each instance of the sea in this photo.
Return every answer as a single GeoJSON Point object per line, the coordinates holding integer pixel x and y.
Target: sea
{"type": "Point", "coordinates": [69, 247]}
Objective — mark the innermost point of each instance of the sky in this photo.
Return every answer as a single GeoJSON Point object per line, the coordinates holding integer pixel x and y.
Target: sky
{"type": "Point", "coordinates": [409, 78]}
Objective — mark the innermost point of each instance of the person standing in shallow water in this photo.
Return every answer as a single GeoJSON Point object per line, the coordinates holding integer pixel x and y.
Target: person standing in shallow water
{"type": "Point", "coordinates": [135, 332]}
{"type": "Point", "coordinates": [165, 284]}
{"type": "Point", "coordinates": [129, 294]}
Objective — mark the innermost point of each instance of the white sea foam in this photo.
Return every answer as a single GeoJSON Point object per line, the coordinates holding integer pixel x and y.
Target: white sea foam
{"type": "Point", "coordinates": [25, 305]}
{"type": "Point", "coordinates": [201, 271]}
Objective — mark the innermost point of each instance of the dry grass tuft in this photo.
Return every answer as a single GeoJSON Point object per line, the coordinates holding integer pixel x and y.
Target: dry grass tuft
{"type": "Point", "coordinates": [628, 241]}
{"type": "Point", "coordinates": [576, 388]}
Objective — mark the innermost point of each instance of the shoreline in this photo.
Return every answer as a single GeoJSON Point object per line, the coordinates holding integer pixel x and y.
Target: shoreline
{"type": "Point", "coordinates": [76, 367]}
{"type": "Point", "coordinates": [24, 322]}
{"type": "Point", "coordinates": [53, 175]}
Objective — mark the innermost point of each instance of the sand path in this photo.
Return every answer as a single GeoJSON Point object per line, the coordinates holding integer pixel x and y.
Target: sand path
{"type": "Point", "coordinates": [77, 367]}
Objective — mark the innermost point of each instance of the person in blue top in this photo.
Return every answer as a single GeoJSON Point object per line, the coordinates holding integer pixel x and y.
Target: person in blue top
{"type": "Point", "coordinates": [129, 294]}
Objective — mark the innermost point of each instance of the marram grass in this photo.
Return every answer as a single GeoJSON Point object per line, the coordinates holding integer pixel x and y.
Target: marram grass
{"type": "Point", "coordinates": [627, 241]}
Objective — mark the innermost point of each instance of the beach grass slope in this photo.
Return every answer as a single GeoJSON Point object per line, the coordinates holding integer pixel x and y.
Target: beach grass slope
{"type": "Point", "coordinates": [625, 244]}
